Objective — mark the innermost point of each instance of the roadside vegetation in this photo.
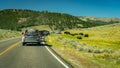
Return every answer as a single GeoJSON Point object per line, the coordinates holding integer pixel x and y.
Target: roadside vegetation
{"type": "Point", "coordinates": [41, 27]}
{"type": "Point", "coordinates": [100, 49]}
{"type": "Point", "coordinates": [6, 34]}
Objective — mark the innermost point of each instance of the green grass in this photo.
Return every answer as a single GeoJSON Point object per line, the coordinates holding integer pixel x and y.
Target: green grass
{"type": "Point", "coordinates": [42, 27]}
{"type": "Point", "coordinates": [101, 48]}
{"type": "Point", "coordinates": [108, 35]}
{"type": "Point", "coordinates": [39, 27]}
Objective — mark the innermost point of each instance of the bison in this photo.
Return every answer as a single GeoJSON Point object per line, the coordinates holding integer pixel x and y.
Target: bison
{"type": "Point", "coordinates": [66, 32]}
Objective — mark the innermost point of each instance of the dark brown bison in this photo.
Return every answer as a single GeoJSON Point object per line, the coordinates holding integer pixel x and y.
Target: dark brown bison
{"type": "Point", "coordinates": [79, 37]}
{"type": "Point", "coordinates": [66, 32]}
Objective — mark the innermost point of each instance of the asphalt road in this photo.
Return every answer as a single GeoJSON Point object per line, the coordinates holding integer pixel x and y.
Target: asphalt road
{"type": "Point", "coordinates": [30, 56]}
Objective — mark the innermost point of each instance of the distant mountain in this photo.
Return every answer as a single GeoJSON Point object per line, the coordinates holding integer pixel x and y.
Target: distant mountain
{"type": "Point", "coordinates": [15, 19]}
{"type": "Point", "coordinates": [99, 20]}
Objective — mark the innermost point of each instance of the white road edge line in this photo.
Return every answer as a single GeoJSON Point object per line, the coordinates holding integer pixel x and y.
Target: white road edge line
{"type": "Point", "coordinates": [56, 57]}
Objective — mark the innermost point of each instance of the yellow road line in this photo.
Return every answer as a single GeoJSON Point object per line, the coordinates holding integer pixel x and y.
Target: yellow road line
{"type": "Point", "coordinates": [9, 48]}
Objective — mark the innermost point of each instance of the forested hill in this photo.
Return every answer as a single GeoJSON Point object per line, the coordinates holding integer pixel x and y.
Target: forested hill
{"type": "Point", "coordinates": [15, 19]}
{"type": "Point", "coordinates": [100, 20]}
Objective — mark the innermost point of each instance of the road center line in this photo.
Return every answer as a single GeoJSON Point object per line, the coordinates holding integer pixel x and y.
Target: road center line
{"type": "Point", "coordinates": [56, 57]}
{"type": "Point", "coordinates": [9, 48]}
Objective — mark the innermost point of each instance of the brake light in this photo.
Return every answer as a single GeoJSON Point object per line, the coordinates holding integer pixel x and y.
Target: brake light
{"type": "Point", "coordinates": [25, 34]}
{"type": "Point", "coordinates": [38, 34]}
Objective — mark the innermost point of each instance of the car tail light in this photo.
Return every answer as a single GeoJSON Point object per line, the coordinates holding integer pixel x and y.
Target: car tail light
{"type": "Point", "coordinates": [25, 34]}
{"type": "Point", "coordinates": [38, 34]}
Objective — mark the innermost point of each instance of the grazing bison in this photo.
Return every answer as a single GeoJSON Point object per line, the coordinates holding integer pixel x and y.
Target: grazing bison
{"type": "Point", "coordinates": [66, 32]}
{"type": "Point", "coordinates": [80, 33]}
{"type": "Point", "coordinates": [79, 37]}
{"type": "Point", "coordinates": [74, 34]}
{"type": "Point", "coordinates": [86, 35]}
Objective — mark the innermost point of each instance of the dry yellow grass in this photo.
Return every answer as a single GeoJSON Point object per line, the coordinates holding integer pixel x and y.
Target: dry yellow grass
{"type": "Point", "coordinates": [5, 34]}
{"type": "Point", "coordinates": [103, 37]}
{"type": "Point", "coordinates": [108, 35]}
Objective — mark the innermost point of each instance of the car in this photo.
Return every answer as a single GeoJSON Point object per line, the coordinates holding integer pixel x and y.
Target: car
{"type": "Point", "coordinates": [44, 32]}
{"type": "Point", "coordinates": [32, 36]}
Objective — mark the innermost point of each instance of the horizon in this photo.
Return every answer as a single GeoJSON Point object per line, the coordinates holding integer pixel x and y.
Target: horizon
{"type": "Point", "coordinates": [94, 8]}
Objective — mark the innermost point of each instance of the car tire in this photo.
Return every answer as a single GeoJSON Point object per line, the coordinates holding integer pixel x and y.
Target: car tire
{"type": "Point", "coordinates": [23, 43]}
{"type": "Point", "coordinates": [38, 43]}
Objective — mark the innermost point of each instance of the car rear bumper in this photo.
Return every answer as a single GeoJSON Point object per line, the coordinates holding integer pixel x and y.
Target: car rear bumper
{"type": "Point", "coordinates": [31, 39]}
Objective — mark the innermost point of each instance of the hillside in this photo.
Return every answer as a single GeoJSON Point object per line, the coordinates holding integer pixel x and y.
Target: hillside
{"type": "Point", "coordinates": [98, 20]}
{"type": "Point", "coordinates": [6, 34]}
{"type": "Point", "coordinates": [15, 19]}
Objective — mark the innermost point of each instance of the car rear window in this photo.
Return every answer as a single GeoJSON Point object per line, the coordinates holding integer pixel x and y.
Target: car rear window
{"type": "Point", "coordinates": [31, 32]}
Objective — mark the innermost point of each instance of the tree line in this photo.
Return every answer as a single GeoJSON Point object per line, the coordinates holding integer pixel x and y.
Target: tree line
{"type": "Point", "coordinates": [15, 19]}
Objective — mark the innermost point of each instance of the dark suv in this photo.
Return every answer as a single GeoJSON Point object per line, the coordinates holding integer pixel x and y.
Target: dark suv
{"type": "Point", "coordinates": [32, 36]}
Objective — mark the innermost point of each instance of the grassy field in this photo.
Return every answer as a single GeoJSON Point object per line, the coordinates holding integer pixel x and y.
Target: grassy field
{"type": "Point", "coordinates": [105, 35]}
{"type": "Point", "coordinates": [40, 27]}
{"type": "Point", "coordinates": [6, 34]}
{"type": "Point", "coordinates": [99, 50]}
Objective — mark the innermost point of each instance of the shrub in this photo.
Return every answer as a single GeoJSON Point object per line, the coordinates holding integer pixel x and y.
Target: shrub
{"type": "Point", "coordinates": [104, 56]}
{"type": "Point", "coordinates": [118, 61]}
{"type": "Point", "coordinates": [108, 51]}
{"type": "Point", "coordinates": [73, 44]}
{"type": "Point", "coordinates": [59, 38]}
{"type": "Point", "coordinates": [96, 51]}
{"type": "Point", "coordinates": [80, 49]}
{"type": "Point", "coordinates": [89, 50]}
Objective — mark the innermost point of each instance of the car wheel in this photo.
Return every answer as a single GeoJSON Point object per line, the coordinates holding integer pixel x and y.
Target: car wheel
{"type": "Point", "coordinates": [39, 44]}
{"type": "Point", "coordinates": [23, 43]}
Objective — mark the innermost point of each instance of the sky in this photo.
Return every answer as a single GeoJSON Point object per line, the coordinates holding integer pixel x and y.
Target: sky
{"type": "Point", "coordinates": [96, 8]}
